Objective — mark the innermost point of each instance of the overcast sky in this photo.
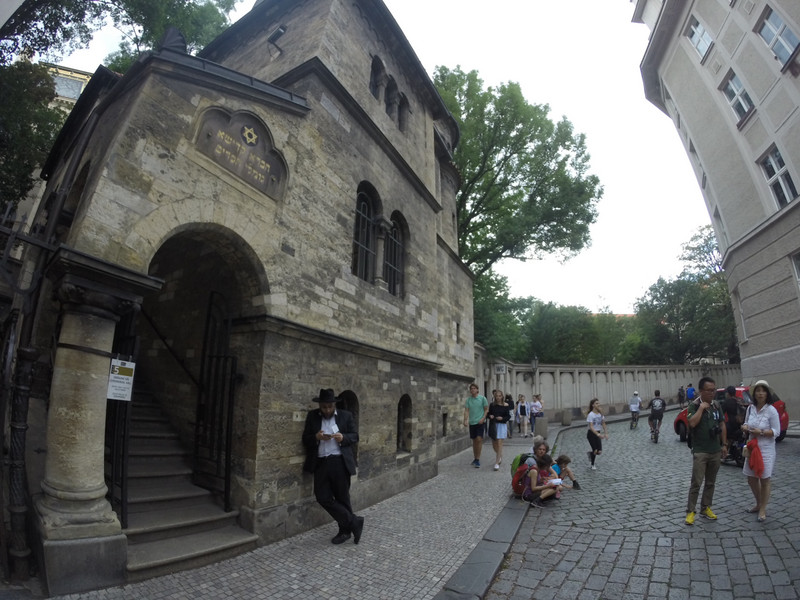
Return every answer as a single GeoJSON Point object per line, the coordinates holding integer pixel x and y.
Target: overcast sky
{"type": "Point", "coordinates": [581, 57]}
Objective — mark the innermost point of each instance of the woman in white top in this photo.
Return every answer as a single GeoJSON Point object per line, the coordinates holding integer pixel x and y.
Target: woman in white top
{"type": "Point", "coordinates": [522, 415]}
{"type": "Point", "coordinates": [597, 422]}
{"type": "Point", "coordinates": [763, 424]}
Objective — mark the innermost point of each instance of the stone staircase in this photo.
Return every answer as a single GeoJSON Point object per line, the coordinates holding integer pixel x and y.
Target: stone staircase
{"type": "Point", "coordinates": [172, 524]}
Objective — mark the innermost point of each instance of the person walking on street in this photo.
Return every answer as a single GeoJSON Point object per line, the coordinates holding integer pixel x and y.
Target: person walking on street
{"type": "Point", "coordinates": [690, 393]}
{"type": "Point", "coordinates": [537, 410]}
{"type": "Point", "coordinates": [475, 410]}
{"type": "Point", "coordinates": [510, 405]}
{"type": "Point", "coordinates": [763, 424]}
{"type": "Point", "coordinates": [597, 422]}
{"type": "Point", "coordinates": [635, 404]}
{"type": "Point", "coordinates": [681, 397]}
{"type": "Point", "coordinates": [522, 415]}
{"type": "Point", "coordinates": [657, 407]}
{"type": "Point", "coordinates": [329, 436]}
{"type": "Point", "coordinates": [709, 446]}
{"type": "Point", "coordinates": [499, 416]}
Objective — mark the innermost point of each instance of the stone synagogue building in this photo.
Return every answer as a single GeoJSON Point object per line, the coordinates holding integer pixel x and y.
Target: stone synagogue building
{"type": "Point", "coordinates": [234, 231]}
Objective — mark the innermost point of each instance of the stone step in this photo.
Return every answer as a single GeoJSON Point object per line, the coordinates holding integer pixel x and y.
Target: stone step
{"type": "Point", "coordinates": [161, 557]}
{"type": "Point", "coordinates": [162, 468]}
{"type": "Point", "coordinates": [154, 525]}
{"type": "Point", "coordinates": [156, 447]}
{"type": "Point", "coordinates": [163, 493]}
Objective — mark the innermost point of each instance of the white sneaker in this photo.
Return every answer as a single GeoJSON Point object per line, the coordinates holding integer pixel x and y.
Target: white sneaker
{"type": "Point", "coordinates": [594, 468]}
{"type": "Point", "coordinates": [497, 467]}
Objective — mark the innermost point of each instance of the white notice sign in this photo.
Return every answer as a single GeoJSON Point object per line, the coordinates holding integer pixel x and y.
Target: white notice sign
{"type": "Point", "coordinates": [120, 380]}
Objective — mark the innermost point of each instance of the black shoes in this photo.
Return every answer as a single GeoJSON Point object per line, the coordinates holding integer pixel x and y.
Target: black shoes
{"type": "Point", "coordinates": [342, 537]}
{"type": "Point", "coordinates": [358, 527]}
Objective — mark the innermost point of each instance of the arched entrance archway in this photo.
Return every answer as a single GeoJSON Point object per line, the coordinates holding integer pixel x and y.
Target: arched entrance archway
{"type": "Point", "coordinates": [194, 350]}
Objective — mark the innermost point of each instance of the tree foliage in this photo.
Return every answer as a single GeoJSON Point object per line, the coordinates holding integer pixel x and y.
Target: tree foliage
{"type": "Point", "coordinates": [526, 190]}
{"type": "Point", "coordinates": [497, 318]}
{"type": "Point", "coordinates": [144, 22]}
{"type": "Point", "coordinates": [690, 318]}
{"type": "Point", "coordinates": [28, 127]}
{"type": "Point", "coordinates": [44, 27]}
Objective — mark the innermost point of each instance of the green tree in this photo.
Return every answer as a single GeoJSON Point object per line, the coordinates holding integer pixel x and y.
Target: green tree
{"type": "Point", "coordinates": [44, 26]}
{"type": "Point", "coordinates": [28, 127]}
{"type": "Point", "coordinates": [144, 22]}
{"type": "Point", "coordinates": [560, 334]}
{"type": "Point", "coordinates": [610, 331]}
{"type": "Point", "coordinates": [497, 318]}
{"type": "Point", "coordinates": [526, 190]}
{"type": "Point", "coordinates": [690, 318]}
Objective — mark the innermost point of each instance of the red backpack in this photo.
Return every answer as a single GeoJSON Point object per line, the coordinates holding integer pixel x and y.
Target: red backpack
{"type": "Point", "coordinates": [518, 481]}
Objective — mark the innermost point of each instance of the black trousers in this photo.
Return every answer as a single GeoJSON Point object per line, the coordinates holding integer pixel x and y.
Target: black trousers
{"type": "Point", "coordinates": [332, 490]}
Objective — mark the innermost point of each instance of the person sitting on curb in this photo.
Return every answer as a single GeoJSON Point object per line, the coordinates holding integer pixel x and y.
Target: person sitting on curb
{"type": "Point", "coordinates": [563, 471]}
{"type": "Point", "coordinates": [541, 489]}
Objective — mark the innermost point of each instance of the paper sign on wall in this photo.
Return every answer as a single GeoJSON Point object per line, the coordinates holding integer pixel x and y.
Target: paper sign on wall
{"type": "Point", "coordinates": [120, 380]}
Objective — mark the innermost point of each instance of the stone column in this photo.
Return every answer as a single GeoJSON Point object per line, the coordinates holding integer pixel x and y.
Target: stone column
{"type": "Point", "coordinates": [83, 545]}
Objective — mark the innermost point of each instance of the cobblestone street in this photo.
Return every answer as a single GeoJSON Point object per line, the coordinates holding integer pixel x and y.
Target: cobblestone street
{"type": "Point", "coordinates": [623, 535]}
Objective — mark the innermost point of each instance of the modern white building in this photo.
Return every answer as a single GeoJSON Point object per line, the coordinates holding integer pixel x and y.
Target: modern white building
{"type": "Point", "coordinates": [726, 73]}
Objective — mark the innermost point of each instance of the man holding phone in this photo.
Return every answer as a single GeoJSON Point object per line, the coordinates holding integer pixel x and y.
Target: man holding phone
{"type": "Point", "coordinates": [328, 436]}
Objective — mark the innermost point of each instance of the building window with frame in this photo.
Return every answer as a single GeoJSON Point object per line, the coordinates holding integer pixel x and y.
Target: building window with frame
{"type": "Point", "coordinates": [393, 257]}
{"type": "Point", "coordinates": [699, 37]}
{"type": "Point", "coordinates": [737, 96]}
{"type": "Point", "coordinates": [778, 177]}
{"type": "Point", "coordinates": [796, 263]}
{"type": "Point", "coordinates": [363, 265]}
{"type": "Point", "coordinates": [779, 38]}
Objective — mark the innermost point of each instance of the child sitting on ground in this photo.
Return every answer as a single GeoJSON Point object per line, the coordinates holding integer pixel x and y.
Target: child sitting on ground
{"type": "Point", "coordinates": [563, 471]}
{"type": "Point", "coordinates": [543, 482]}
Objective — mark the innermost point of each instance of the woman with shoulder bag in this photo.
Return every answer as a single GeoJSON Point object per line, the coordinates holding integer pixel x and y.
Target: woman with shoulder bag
{"type": "Point", "coordinates": [763, 425]}
{"type": "Point", "coordinates": [498, 416]}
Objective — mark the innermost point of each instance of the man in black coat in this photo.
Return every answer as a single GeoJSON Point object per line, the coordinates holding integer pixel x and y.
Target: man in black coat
{"type": "Point", "coordinates": [329, 436]}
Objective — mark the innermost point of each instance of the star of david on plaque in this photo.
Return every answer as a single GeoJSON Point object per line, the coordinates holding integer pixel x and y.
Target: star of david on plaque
{"type": "Point", "coordinates": [249, 136]}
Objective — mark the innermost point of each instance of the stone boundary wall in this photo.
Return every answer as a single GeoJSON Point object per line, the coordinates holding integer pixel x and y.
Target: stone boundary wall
{"type": "Point", "coordinates": [567, 389]}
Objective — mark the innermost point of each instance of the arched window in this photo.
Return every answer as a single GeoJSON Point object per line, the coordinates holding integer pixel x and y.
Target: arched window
{"type": "Point", "coordinates": [404, 424]}
{"type": "Point", "coordinates": [403, 113]}
{"type": "Point", "coordinates": [392, 98]}
{"type": "Point", "coordinates": [394, 255]}
{"type": "Point", "coordinates": [363, 265]}
{"type": "Point", "coordinates": [377, 77]}
{"type": "Point", "coordinates": [349, 401]}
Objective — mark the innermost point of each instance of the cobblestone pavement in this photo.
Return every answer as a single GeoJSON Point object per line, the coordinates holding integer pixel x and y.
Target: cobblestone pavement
{"type": "Point", "coordinates": [412, 544]}
{"type": "Point", "coordinates": [623, 534]}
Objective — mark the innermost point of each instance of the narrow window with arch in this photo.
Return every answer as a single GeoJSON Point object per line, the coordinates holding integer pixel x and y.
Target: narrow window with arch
{"type": "Point", "coordinates": [403, 112]}
{"type": "Point", "coordinates": [377, 78]}
{"type": "Point", "coordinates": [393, 256]}
{"type": "Point", "coordinates": [363, 263]}
{"type": "Point", "coordinates": [392, 98]}
{"type": "Point", "coordinates": [404, 424]}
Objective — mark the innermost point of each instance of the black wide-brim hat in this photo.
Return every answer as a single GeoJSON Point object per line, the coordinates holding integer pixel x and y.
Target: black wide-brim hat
{"type": "Point", "coordinates": [326, 396]}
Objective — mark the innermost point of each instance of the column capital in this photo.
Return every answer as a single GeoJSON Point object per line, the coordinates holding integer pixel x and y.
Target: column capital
{"type": "Point", "coordinates": [90, 284]}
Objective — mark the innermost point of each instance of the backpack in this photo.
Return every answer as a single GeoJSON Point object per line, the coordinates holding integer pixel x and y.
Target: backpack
{"type": "Point", "coordinates": [518, 460]}
{"type": "Point", "coordinates": [521, 481]}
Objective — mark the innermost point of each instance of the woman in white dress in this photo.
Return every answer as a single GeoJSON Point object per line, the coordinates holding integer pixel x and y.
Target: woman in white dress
{"type": "Point", "coordinates": [763, 424]}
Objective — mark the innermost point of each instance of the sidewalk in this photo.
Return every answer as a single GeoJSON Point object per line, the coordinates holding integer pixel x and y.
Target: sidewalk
{"type": "Point", "coordinates": [413, 543]}
{"type": "Point", "coordinates": [445, 539]}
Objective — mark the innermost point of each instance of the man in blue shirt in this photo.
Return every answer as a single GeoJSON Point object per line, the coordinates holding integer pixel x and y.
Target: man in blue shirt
{"type": "Point", "coordinates": [475, 410]}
